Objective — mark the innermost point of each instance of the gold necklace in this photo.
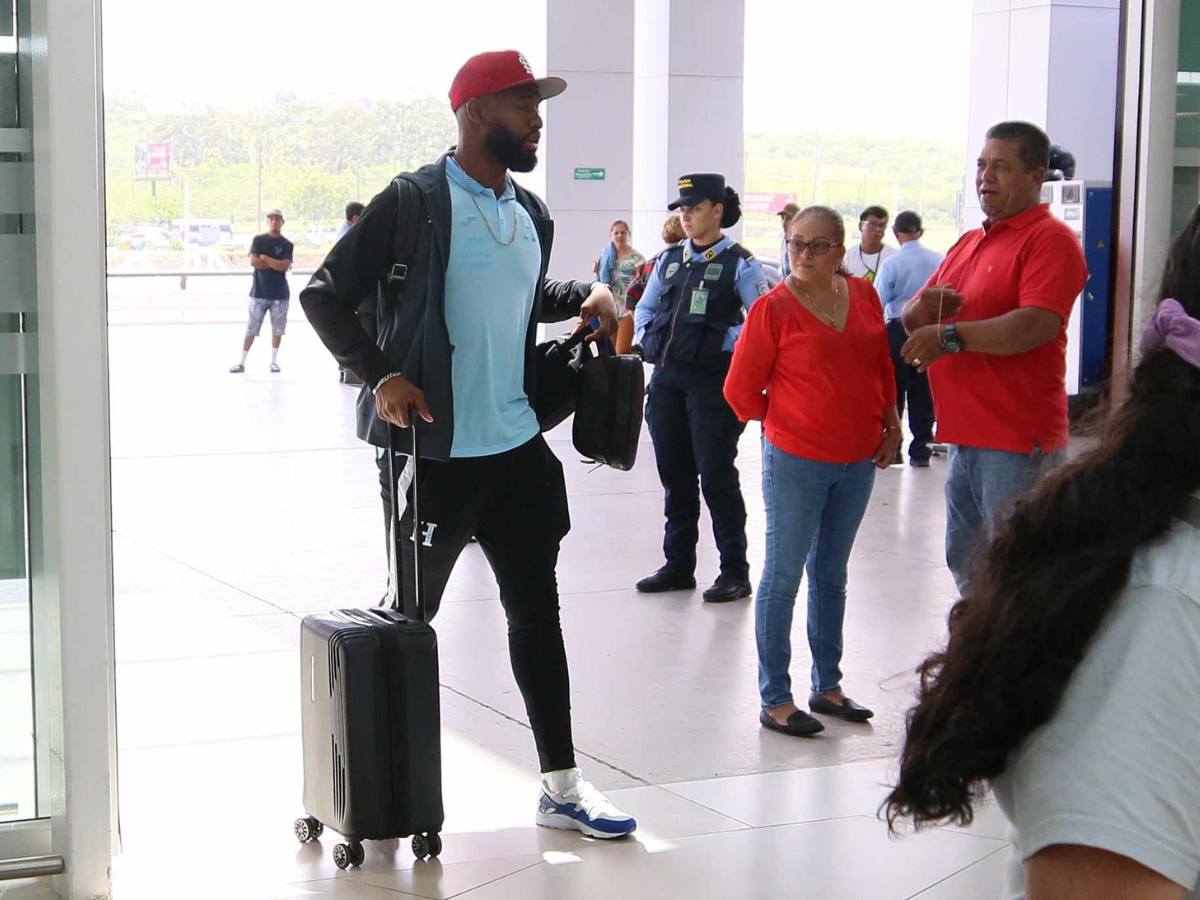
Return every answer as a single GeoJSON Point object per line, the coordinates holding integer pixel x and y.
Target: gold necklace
{"type": "Point", "coordinates": [816, 308]}
{"type": "Point", "coordinates": [500, 218]}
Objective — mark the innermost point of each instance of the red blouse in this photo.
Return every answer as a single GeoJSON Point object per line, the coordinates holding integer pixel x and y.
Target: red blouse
{"type": "Point", "coordinates": [821, 394]}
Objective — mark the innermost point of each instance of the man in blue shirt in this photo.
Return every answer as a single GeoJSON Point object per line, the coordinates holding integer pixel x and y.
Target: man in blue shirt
{"type": "Point", "coordinates": [270, 257]}
{"type": "Point", "coordinates": [901, 278]}
{"type": "Point", "coordinates": [354, 209]}
{"type": "Point", "coordinates": [785, 219]}
{"type": "Point", "coordinates": [456, 357]}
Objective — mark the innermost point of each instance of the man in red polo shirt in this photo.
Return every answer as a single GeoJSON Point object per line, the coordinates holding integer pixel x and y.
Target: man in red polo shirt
{"type": "Point", "coordinates": [991, 328]}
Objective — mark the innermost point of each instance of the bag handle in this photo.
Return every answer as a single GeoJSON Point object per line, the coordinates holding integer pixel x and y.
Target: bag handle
{"type": "Point", "coordinates": [396, 547]}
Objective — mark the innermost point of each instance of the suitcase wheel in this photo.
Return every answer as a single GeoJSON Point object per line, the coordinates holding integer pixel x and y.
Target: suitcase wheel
{"type": "Point", "coordinates": [425, 845]}
{"type": "Point", "coordinates": [347, 855]}
{"type": "Point", "coordinates": [308, 829]}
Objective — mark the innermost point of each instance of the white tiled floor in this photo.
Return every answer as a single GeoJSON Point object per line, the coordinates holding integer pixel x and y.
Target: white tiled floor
{"type": "Point", "coordinates": [240, 503]}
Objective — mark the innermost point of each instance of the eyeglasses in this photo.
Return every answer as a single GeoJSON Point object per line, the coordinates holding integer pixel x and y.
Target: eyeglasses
{"type": "Point", "coordinates": [877, 226]}
{"type": "Point", "coordinates": [817, 248]}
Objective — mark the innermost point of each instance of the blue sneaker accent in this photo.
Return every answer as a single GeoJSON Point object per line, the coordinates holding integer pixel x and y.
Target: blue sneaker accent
{"type": "Point", "coordinates": [594, 825]}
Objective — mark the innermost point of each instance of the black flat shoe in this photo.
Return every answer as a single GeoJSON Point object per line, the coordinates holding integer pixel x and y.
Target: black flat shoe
{"type": "Point", "coordinates": [667, 579]}
{"type": "Point", "coordinates": [799, 724]}
{"type": "Point", "coordinates": [727, 588]}
{"type": "Point", "coordinates": [848, 710]}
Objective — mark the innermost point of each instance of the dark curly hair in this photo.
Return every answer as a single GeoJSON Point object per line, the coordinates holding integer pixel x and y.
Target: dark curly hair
{"type": "Point", "coordinates": [1046, 583]}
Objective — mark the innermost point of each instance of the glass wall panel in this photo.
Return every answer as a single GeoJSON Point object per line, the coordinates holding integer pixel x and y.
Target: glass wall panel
{"type": "Point", "coordinates": [18, 363]}
{"type": "Point", "coordinates": [1185, 195]}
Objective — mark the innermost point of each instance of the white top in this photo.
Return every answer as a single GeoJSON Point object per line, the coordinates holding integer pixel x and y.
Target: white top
{"type": "Point", "coordinates": [1118, 767]}
{"type": "Point", "coordinates": [866, 265]}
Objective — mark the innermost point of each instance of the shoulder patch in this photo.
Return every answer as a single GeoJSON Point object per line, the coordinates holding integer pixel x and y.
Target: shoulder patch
{"type": "Point", "coordinates": [762, 286]}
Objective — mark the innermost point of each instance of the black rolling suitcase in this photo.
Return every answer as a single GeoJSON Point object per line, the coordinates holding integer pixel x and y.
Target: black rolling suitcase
{"type": "Point", "coordinates": [370, 718]}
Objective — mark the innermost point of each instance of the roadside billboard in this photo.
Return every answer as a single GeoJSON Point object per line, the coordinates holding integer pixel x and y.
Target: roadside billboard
{"type": "Point", "coordinates": [152, 161]}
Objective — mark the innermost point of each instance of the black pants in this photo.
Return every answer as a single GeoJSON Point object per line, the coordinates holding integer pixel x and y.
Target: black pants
{"type": "Point", "coordinates": [515, 503]}
{"type": "Point", "coordinates": [912, 386]}
{"type": "Point", "coordinates": [695, 436]}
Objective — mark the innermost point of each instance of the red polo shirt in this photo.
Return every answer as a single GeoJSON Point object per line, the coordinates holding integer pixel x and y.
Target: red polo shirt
{"type": "Point", "coordinates": [1009, 402]}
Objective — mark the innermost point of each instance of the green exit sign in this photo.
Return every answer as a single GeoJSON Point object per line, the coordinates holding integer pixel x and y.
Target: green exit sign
{"type": "Point", "coordinates": [586, 174]}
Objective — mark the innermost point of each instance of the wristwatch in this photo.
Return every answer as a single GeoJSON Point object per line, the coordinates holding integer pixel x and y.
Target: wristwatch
{"type": "Point", "coordinates": [951, 342]}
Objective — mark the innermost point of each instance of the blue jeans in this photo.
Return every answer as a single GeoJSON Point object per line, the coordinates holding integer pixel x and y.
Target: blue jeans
{"type": "Point", "coordinates": [813, 513]}
{"type": "Point", "coordinates": [980, 489]}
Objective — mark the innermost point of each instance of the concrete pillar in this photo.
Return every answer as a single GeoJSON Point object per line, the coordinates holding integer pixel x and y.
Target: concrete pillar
{"type": "Point", "coordinates": [1050, 62]}
{"type": "Point", "coordinates": [590, 127]}
{"type": "Point", "coordinates": [687, 103]}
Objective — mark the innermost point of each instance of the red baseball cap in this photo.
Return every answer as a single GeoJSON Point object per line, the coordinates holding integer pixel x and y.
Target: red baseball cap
{"type": "Point", "coordinates": [490, 73]}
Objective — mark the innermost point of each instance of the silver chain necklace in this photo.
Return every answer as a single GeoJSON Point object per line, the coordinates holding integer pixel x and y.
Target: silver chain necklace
{"type": "Point", "coordinates": [500, 216]}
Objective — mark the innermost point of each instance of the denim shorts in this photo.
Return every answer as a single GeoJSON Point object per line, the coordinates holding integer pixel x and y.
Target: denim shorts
{"type": "Point", "coordinates": [258, 312]}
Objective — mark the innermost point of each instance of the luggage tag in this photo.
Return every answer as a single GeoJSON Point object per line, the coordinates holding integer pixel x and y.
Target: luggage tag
{"type": "Point", "coordinates": [699, 301]}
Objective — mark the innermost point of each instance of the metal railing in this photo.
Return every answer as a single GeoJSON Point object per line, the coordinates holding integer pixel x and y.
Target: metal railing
{"type": "Point", "coordinates": [184, 274]}
{"type": "Point", "coordinates": [32, 867]}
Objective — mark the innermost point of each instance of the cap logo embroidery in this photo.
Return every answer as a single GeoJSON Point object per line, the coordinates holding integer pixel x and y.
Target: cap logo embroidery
{"type": "Point", "coordinates": [685, 183]}
{"type": "Point", "coordinates": [524, 62]}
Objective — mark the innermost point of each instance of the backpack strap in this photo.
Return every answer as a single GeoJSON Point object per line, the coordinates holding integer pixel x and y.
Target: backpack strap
{"type": "Point", "coordinates": [408, 221]}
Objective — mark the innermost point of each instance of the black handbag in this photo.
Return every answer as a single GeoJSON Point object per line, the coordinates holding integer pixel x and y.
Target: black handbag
{"type": "Point", "coordinates": [608, 413]}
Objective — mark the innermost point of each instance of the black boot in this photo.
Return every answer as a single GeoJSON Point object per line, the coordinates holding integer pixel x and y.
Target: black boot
{"type": "Point", "coordinates": [667, 579]}
{"type": "Point", "coordinates": [728, 587]}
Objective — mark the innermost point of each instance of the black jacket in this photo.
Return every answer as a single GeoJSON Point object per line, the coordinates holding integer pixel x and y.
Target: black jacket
{"type": "Point", "coordinates": [413, 337]}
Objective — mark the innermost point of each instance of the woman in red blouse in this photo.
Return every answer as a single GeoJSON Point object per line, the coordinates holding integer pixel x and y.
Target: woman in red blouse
{"type": "Point", "coordinates": [813, 364]}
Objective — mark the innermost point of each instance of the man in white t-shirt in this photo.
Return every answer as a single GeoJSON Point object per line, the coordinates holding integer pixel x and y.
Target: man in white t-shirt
{"type": "Point", "coordinates": [863, 260]}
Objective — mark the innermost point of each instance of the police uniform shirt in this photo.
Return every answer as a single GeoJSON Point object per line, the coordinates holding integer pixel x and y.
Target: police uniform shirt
{"type": "Point", "coordinates": [750, 282]}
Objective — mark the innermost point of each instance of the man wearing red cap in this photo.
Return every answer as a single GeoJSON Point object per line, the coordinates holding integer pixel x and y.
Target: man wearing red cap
{"type": "Point", "coordinates": [459, 253]}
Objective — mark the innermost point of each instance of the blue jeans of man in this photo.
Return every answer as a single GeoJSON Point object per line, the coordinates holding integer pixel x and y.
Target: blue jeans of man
{"type": "Point", "coordinates": [981, 488]}
{"type": "Point", "coordinates": [695, 436]}
{"type": "Point", "coordinates": [814, 510]}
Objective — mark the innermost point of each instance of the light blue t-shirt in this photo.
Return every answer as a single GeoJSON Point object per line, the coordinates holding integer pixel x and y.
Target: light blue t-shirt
{"type": "Point", "coordinates": [750, 283]}
{"type": "Point", "coordinates": [490, 285]}
{"type": "Point", "coordinates": [902, 276]}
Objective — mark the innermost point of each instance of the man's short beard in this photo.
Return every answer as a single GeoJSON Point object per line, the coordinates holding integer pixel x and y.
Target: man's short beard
{"type": "Point", "coordinates": [509, 150]}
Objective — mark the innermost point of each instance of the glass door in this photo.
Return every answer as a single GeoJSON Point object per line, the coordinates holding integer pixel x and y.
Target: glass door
{"type": "Point", "coordinates": [18, 409]}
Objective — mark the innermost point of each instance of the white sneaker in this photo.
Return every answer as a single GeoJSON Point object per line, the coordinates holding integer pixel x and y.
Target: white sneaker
{"type": "Point", "coordinates": [578, 806]}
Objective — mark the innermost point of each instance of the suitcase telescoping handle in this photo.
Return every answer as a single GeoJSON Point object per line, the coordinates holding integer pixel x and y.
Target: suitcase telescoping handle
{"type": "Point", "coordinates": [397, 556]}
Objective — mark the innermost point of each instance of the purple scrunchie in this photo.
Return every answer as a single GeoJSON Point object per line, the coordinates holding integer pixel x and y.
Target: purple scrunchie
{"type": "Point", "coordinates": [1171, 328]}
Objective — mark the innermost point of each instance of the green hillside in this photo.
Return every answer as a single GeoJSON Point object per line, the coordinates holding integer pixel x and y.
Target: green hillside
{"type": "Point", "coordinates": [310, 159]}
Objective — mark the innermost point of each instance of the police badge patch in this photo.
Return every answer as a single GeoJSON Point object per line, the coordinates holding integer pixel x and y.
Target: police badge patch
{"type": "Point", "coordinates": [762, 286]}
{"type": "Point", "coordinates": [671, 270]}
{"type": "Point", "coordinates": [713, 271]}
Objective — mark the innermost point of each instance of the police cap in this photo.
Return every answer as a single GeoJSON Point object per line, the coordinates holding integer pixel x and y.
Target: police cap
{"type": "Point", "coordinates": [694, 189]}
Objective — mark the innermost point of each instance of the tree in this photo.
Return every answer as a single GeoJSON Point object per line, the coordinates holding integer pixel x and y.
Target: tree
{"type": "Point", "coordinates": [317, 196]}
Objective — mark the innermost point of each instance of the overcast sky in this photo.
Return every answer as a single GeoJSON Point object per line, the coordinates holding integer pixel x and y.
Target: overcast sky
{"type": "Point", "coordinates": [843, 66]}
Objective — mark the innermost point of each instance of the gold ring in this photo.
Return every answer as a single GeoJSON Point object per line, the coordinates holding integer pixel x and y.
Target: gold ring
{"type": "Point", "coordinates": [916, 362]}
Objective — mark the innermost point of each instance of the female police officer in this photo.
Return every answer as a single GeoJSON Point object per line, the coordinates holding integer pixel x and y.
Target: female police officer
{"type": "Point", "coordinates": [686, 323]}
